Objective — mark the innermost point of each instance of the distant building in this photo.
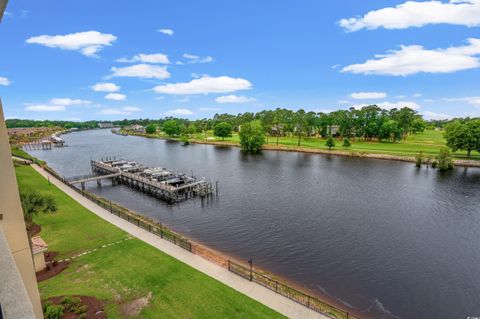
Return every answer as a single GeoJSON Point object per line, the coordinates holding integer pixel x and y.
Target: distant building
{"type": "Point", "coordinates": [138, 128]}
{"type": "Point", "coordinates": [332, 130]}
{"type": "Point", "coordinates": [105, 125]}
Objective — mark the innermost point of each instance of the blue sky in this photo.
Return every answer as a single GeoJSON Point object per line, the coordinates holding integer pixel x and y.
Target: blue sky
{"type": "Point", "coordinates": [193, 59]}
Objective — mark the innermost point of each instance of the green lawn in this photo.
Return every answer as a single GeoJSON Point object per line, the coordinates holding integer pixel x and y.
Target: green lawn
{"type": "Point", "coordinates": [428, 142]}
{"type": "Point", "coordinates": [125, 272]}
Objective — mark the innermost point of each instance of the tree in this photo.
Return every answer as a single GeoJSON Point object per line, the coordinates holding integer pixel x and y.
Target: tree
{"type": "Point", "coordinates": [463, 136]}
{"type": "Point", "coordinates": [300, 122]}
{"type": "Point", "coordinates": [390, 131]}
{"type": "Point", "coordinates": [34, 203]}
{"type": "Point", "coordinates": [171, 127]}
{"type": "Point", "coordinates": [222, 129]}
{"type": "Point", "coordinates": [252, 136]}
{"type": "Point", "coordinates": [151, 129]}
{"type": "Point", "coordinates": [346, 142]}
{"type": "Point", "coordinates": [444, 160]}
{"type": "Point", "coordinates": [330, 142]}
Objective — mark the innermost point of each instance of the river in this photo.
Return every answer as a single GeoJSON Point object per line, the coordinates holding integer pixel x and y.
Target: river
{"type": "Point", "coordinates": [382, 237]}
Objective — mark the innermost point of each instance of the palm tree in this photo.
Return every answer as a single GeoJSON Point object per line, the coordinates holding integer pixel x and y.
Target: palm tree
{"type": "Point", "coordinates": [34, 203]}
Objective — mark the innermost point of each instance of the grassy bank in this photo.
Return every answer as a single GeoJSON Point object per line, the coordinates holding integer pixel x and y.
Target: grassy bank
{"type": "Point", "coordinates": [121, 275]}
{"type": "Point", "coordinates": [429, 142]}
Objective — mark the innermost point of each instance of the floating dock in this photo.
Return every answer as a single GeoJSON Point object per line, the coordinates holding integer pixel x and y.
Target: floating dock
{"type": "Point", "coordinates": [156, 181]}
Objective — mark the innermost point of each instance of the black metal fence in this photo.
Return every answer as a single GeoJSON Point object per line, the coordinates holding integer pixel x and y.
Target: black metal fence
{"type": "Point", "coordinates": [308, 301]}
{"type": "Point", "coordinates": [246, 272]}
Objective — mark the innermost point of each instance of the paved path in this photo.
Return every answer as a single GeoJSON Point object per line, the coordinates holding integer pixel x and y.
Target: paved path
{"type": "Point", "coordinates": [263, 295]}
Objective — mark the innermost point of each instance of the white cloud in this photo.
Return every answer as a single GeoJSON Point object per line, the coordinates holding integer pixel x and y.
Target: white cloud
{"type": "Point", "coordinates": [390, 105]}
{"type": "Point", "coordinates": [105, 87]}
{"type": "Point", "coordinates": [68, 101]}
{"type": "Point", "coordinates": [88, 43]}
{"type": "Point", "coordinates": [417, 95]}
{"type": "Point", "coordinates": [368, 95]}
{"type": "Point", "coordinates": [418, 14]}
{"type": "Point", "coordinates": [45, 108]}
{"type": "Point", "coordinates": [398, 105]}
{"type": "Point", "coordinates": [436, 116]}
{"type": "Point", "coordinates": [343, 102]}
{"type": "Point", "coordinates": [147, 58]}
{"type": "Point", "coordinates": [145, 71]}
{"type": "Point", "coordinates": [166, 31]}
{"type": "Point", "coordinates": [197, 59]}
{"type": "Point", "coordinates": [205, 85]}
{"type": "Point", "coordinates": [415, 59]}
{"type": "Point", "coordinates": [4, 81]}
{"type": "Point", "coordinates": [209, 109]}
{"type": "Point", "coordinates": [179, 112]}
{"type": "Point", "coordinates": [234, 99]}
{"type": "Point", "coordinates": [126, 110]}
{"type": "Point", "coordinates": [116, 96]}
{"type": "Point", "coordinates": [473, 100]}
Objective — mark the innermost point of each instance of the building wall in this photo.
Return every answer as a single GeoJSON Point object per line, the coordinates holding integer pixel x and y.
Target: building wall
{"type": "Point", "coordinates": [39, 261]}
{"type": "Point", "coordinates": [12, 221]}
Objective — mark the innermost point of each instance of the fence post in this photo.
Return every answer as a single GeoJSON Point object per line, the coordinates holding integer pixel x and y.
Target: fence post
{"type": "Point", "coordinates": [250, 261]}
{"type": "Point", "coordinates": [174, 239]}
{"type": "Point", "coordinates": [276, 286]}
{"type": "Point", "coordinates": [308, 303]}
{"type": "Point", "coordinates": [138, 222]}
{"type": "Point", "coordinates": [111, 208]}
{"type": "Point", "coordinates": [149, 228]}
{"type": "Point", "coordinates": [161, 230]}
{"type": "Point", "coordinates": [228, 262]}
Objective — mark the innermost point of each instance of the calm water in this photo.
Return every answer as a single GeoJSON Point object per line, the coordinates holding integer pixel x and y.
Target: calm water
{"type": "Point", "coordinates": [382, 237]}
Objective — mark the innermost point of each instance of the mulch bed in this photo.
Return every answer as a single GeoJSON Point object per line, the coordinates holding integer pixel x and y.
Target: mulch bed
{"type": "Point", "coordinates": [95, 307]}
{"type": "Point", "coordinates": [34, 230]}
{"type": "Point", "coordinates": [53, 267]}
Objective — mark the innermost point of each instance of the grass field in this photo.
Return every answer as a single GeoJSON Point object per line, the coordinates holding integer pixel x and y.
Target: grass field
{"type": "Point", "coordinates": [122, 274]}
{"type": "Point", "coordinates": [428, 142]}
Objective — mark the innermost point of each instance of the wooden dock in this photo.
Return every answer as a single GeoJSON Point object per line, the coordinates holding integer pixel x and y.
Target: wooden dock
{"type": "Point", "coordinates": [158, 182]}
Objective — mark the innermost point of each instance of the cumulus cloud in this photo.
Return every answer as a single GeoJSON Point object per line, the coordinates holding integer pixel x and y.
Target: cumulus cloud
{"type": "Point", "coordinates": [105, 87]}
{"type": "Point", "coordinates": [209, 109]}
{"type": "Point", "coordinates": [417, 14]}
{"type": "Point", "coordinates": [414, 59]}
{"type": "Point", "coordinates": [68, 101]}
{"type": "Point", "coordinates": [147, 58]}
{"type": "Point", "coordinates": [390, 105]}
{"type": "Point", "coordinates": [428, 115]}
{"type": "Point", "coordinates": [197, 59]}
{"type": "Point", "coordinates": [473, 100]}
{"type": "Point", "coordinates": [116, 96]}
{"type": "Point", "coordinates": [368, 95]}
{"type": "Point", "coordinates": [55, 104]}
{"type": "Point", "coordinates": [179, 112]}
{"type": "Point", "coordinates": [234, 99]}
{"type": "Point", "coordinates": [44, 108]}
{"type": "Point", "coordinates": [145, 71]}
{"type": "Point", "coordinates": [168, 32]}
{"type": "Point", "coordinates": [205, 85]}
{"type": "Point", "coordinates": [88, 43]}
{"type": "Point", "coordinates": [4, 81]}
{"type": "Point", "coordinates": [126, 110]}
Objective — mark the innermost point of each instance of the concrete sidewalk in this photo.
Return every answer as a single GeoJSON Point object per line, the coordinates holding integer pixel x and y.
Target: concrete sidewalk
{"type": "Point", "coordinates": [263, 295]}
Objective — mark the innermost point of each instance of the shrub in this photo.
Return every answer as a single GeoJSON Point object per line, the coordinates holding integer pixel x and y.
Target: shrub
{"type": "Point", "coordinates": [81, 309]}
{"type": "Point", "coordinates": [444, 160]}
{"type": "Point", "coordinates": [46, 305]}
{"type": "Point", "coordinates": [346, 142]}
{"type": "Point", "coordinates": [151, 129]}
{"type": "Point", "coordinates": [54, 312]}
{"type": "Point", "coordinates": [419, 159]}
{"type": "Point", "coordinates": [330, 142]}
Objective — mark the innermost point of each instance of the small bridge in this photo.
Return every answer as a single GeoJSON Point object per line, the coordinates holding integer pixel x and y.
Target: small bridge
{"type": "Point", "coordinates": [82, 179]}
